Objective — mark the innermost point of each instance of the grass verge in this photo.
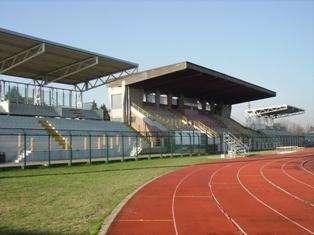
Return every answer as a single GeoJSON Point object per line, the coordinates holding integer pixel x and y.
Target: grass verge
{"type": "Point", "coordinates": [74, 200]}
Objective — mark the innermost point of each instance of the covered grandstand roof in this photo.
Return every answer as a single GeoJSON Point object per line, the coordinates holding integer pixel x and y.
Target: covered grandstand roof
{"type": "Point", "coordinates": [275, 111]}
{"type": "Point", "coordinates": [196, 81]}
{"type": "Point", "coordinates": [34, 58]}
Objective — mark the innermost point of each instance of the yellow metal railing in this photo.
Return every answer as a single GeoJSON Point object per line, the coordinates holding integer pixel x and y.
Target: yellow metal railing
{"type": "Point", "coordinates": [156, 115]}
{"type": "Point", "coordinates": [200, 126]}
{"type": "Point", "coordinates": [55, 134]}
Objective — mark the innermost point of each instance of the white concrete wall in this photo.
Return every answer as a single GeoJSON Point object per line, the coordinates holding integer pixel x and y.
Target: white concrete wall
{"type": "Point", "coordinates": [117, 114]}
{"type": "Point", "coordinates": [4, 106]}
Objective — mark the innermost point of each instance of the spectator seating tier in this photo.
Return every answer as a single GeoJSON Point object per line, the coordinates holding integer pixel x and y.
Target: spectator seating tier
{"type": "Point", "coordinates": [32, 110]}
{"type": "Point", "coordinates": [169, 119]}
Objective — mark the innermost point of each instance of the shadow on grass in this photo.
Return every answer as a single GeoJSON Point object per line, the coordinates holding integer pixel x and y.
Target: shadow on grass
{"type": "Point", "coordinates": [253, 157]}
{"type": "Point", "coordinates": [12, 231]}
{"type": "Point", "coordinates": [95, 171]}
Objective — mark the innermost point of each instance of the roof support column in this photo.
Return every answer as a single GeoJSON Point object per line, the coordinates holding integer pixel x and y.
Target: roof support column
{"type": "Point", "coordinates": [203, 104]}
{"type": "Point", "coordinates": [181, 102]}
{"type": "Point", "coordinates": [212, 106]}
{"type": "Point", "coordinates": [169, 100]}
{"type": "Point", "coordinates": [144, 96]}
{"type": "Point", "coordinates": [157, 98]}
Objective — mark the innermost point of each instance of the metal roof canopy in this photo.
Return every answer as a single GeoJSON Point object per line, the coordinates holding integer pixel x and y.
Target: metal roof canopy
{"type": "Point", "coordinates": [278, 111]}
{"type": "Point", "coordinates": [195, 81]}
{"type": "Point", "coordinates": [41, 60]}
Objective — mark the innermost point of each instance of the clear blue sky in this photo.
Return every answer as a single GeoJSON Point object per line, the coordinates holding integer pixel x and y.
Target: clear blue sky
{"type": "Point", "coordinates": [269, 43]}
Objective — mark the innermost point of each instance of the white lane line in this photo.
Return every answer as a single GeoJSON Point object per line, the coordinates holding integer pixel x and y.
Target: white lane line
{"type": "Point", "coordinates": [303, 168]}
{"type": "Point", "coordinates": [292, 177]}
{"type": "Point", "coordinates": [219, 205]}
{"type": "Point", "coordinates": [174, 195]}
{"type": "Point", "coordinates": [145, 220]}
{"type": "Point", "coordinates": [194, 196]}
{"type": "Point", "coordinates": [280, 188]}
{"type": "Point", "coordinates": [268, 206]}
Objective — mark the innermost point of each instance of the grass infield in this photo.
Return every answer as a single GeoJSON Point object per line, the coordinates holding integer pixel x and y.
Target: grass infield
{"type": "Point", "coordinates": [74, 200]}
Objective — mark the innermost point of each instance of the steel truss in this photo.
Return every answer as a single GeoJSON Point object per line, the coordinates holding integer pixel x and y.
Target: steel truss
{"type": "Point", "coordinates": [262, 117]}
{"type": "Point", "coordinates": [104, 80]}
{"type": "Point", "coordinates": [273, 112]}
{"type": "Point", "coordinates": [60, 73]}
{"type": "Point", "coordinates": [70, 70]}
{"type": "Point", "coordinates": [21, 57]}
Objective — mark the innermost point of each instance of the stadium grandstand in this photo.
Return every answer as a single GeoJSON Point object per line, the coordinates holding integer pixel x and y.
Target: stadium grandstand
{"type": "Point", "coordinates": [190, 100]}
{"type": "Point", "coordinates": [180, 109]}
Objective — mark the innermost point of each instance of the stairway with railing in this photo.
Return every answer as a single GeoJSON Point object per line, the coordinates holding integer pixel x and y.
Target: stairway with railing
{"type": "Point", "coordinates": [200, 126]}
{"type": "Point", "coordinates": [62, 141]}
{"type": "Point", "coordinates": [205, 129]}
{"type": "Point", "coordinates": [202, 123]}
{"type": "Point", "coordinates": [234, 145]}
{"type": "Point", "coordinates": [170, 120]}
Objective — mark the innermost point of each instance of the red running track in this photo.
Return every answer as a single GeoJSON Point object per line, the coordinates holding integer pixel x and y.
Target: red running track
{"type": "Point", "coordinates": [269, 195]}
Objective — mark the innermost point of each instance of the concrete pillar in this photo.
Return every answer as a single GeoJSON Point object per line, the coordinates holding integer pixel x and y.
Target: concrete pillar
{"type": "Point", "coordinates": [169, 100]}
{"type": "Point", "coordinates": [226, 110]}
{"type": "Point", "coordinates": [99, 143]}
{"type": "Point", "coordinates": [140, 96]}
{"type": "Point", "coordinates": [144, 96]}
{"type": "Point", "coordinates": [157, 98]}
{"type": "Point", "coordinates": [85, 143]}
{"type": "Point", "coordinates": [203, 104]}
{"type": "Point", "coordinates": [181, 102]}
{"type": "Point", "coordinates": [212, 106]}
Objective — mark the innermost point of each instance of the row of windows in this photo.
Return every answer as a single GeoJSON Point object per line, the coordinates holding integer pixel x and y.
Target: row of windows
{"type": "Point", "coordinates": [116, 101]}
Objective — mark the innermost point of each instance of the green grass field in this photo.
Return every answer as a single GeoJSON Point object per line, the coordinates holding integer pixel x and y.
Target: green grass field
{"type": "Point", "coordinates": [74, 200]}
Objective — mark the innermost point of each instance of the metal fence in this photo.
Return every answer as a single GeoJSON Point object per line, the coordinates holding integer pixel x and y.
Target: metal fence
{"type": "Point", "coordinates": [22, 148]}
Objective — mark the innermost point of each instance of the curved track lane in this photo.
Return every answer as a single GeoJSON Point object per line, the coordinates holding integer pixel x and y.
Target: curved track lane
{"type": "Point", "coordinates": [308, 166]}
{"type": "Point", "coordinates": [294, 171]}
{"type": "Point", "coordinates": [273, 174]}
{"type": "Point", "coordinates": [261, 195]}
{"type": "Point", "coordinates": [294, 212]}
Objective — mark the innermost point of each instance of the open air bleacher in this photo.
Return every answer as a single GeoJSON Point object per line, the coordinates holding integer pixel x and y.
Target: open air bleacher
{"type": "Point", "coordinates": [89, 125]}
{"type": "Point", "coordinates": [13, 124]}
{"type": "Point", "coordinates": [235, 127]}
{"type": "Point", "coordinates": [78, 113]}
{"type": "Point", "coordinates": [32, 110]}
{"type": "Point", "coordinates": [13, 128]}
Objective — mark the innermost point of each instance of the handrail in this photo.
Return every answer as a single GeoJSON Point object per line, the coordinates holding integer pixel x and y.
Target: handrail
{"type": "Point", "coordinates": [201, 126]}
{"type": "Point", "coordinates": [236, 140]}
{"type": "Point", "coordinates": [140, 109]}
{"type": "Point", "coordinates": [163, 120]}
{"type": "Point", "coordinates": [206, 128]}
